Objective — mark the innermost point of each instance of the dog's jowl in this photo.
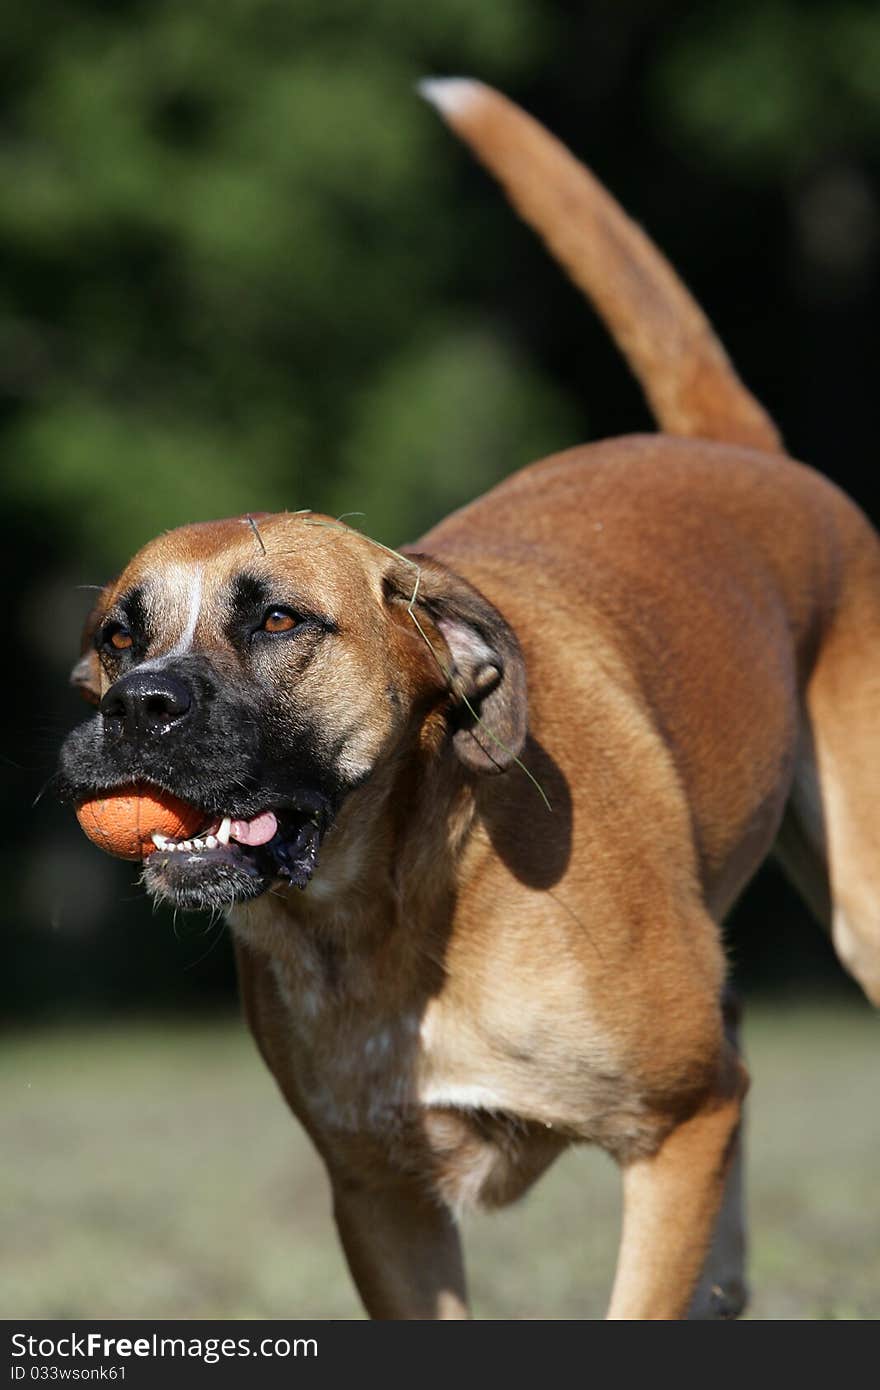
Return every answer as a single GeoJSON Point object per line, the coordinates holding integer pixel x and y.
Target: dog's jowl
{"type": "Point", "coordinates": [476, 811]}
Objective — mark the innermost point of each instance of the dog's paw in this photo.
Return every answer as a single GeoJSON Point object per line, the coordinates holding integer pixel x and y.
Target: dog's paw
{"type": "Point", "coordinates": [725, 1300]}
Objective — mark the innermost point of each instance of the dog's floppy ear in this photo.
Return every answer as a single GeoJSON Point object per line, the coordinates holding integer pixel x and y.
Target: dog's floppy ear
{"type": "Point", "coordinates": [486, 670]}
{"type": "Point", "coordinates": [86, 673]}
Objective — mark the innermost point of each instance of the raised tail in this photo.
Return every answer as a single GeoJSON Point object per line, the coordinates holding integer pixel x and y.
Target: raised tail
{"type": "Point", "coordinates": [685, 373]}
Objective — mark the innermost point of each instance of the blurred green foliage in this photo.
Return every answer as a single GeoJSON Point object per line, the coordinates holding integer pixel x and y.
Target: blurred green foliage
{"type": "Point", "coordinates": [230, 231]}
{"type": "Point", "coordinates": [777, 85]}
{"type": "Point", "coordinates": [242, 268]}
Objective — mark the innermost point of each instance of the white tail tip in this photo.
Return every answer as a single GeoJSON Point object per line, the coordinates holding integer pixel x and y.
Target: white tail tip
{"type": "Point", "coordinates": [450, 95]}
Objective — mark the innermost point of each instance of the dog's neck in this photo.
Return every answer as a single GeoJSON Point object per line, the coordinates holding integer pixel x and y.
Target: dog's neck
{"type": "Point", "coordinates": [388, 864]}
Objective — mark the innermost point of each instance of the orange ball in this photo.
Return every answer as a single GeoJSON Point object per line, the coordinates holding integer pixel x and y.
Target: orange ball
{"type": "Point", "coordinates": [122, 822]}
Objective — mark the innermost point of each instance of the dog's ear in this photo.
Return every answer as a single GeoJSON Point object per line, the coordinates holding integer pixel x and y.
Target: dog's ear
{"type": "Point", "coordinates": [86, 673]}
{"type": "Point", "coordinates": [482, 661]}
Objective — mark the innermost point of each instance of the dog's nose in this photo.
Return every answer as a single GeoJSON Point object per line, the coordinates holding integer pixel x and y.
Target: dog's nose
{"type": "Point", "coordinates": [146, 702]}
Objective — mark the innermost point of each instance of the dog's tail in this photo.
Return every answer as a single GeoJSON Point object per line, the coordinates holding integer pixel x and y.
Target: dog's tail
{"type": "Point", "coordinates": [684, 371]}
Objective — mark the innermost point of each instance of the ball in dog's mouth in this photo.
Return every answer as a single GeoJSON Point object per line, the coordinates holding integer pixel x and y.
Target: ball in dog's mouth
{"type": "Point", "coordinates": [126, 821]}
{"type": "Point", "coordinates": [229, 859]}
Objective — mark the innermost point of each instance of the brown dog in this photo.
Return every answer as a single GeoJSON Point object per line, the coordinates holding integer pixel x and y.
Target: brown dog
{"type": "Point", "coordinates": [472, 978]}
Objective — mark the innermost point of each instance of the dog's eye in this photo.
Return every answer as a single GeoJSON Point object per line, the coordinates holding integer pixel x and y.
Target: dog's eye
{"type": "Point", "coordinates": [118, 637]}
{"type": "Point", "coordinates": [280, 620]}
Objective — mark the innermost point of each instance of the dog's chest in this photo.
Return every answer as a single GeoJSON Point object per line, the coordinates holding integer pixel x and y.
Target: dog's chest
{"type": "Point", "coordinates": [372, 1053]}
{"type": "Point", "coordinates": [355, 1038]}
{"type": "Point", "coordinates": [449, 1072]}
{"type": "Point", "coordinates": [352, 1055]}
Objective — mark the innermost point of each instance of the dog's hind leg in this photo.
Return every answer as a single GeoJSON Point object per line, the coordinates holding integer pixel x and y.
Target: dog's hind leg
{"type": "Point", "coordinates": [800, 844]}
{"type": "Point", "coordinates": [851, 806]}
{"type": "Point", "coordinates": [722, 1291]}
{"type": "Point", "coordinates": [843, 700]}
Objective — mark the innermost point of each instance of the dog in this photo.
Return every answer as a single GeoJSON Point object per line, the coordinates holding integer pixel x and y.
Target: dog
{"type": "Point", "coordinates": [475, 811]}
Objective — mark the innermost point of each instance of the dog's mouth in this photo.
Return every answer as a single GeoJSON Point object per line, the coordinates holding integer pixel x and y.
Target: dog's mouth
{"type": "Point", "coordinates": [235, 858]}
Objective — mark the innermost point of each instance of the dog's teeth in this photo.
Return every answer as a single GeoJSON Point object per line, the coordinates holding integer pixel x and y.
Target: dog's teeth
{"type": "Point", "coordinates": [205, 841]}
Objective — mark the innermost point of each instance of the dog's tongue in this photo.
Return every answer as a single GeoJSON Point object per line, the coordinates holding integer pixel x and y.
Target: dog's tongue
{"type": "Point", "coordinates": [254, 832]}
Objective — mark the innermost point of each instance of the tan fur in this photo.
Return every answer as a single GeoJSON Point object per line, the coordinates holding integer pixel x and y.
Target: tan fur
{"type": "Point", "coordinates": [473, 981]}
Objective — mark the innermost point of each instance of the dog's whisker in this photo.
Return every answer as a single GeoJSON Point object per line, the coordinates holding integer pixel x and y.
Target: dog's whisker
{"type": "Point", "coordinates": [256, 530]}
{"type": "Point", "coordinates": [45, 787]}
{"type": "Point", "coordinates": [575, 918]}
{"type": "Point", "coordinates": [212, 946]}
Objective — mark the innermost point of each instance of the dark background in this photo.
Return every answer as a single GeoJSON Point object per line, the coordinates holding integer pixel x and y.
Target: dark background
{"type": "Point", "coordinates": [242, 267]}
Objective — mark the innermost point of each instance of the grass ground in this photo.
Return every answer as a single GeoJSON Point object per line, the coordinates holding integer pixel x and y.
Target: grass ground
{"type": "Point", "coordinates": [152, 1171]}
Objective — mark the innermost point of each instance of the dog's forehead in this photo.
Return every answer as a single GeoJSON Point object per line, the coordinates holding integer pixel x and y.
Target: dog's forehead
{"type": "Point", "coordinates": [199, 565]}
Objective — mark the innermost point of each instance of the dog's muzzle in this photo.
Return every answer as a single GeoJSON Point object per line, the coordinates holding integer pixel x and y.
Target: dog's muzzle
{"type": "Point", "coordinates": [178, 728]}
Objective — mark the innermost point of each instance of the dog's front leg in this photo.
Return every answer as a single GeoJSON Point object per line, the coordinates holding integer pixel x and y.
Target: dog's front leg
{"type": "Point", "coordinates": [403, 1251]}
{"type": "Point", "coordinates": [670, 1203]}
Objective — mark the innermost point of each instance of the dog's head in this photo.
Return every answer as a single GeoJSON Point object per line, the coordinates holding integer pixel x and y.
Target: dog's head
{"type": "Point", "coordinates": [263, 669]}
